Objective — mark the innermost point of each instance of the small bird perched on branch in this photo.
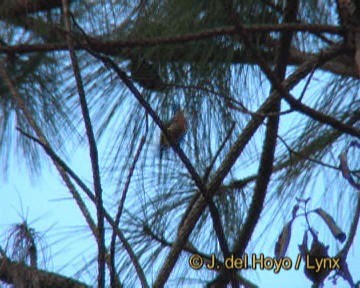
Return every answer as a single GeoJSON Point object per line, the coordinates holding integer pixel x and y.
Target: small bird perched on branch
{"type": "Point", "coordinates": [176, 128]}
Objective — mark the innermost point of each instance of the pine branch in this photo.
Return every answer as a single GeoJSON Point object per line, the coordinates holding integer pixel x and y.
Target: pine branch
{"type": "Point", "coordinates": [267, 156]}
{"type": "Point", "coordinates": [10, 271]}
{"type": "Point", "coordinates": [110, 47]}
{"type": "Point", "coordinates": [176, 53]}
{"type": "Point", "coordinates": [221, 147]}
{"type": "Point", "coordinates": [120, 209]}
{"type": "Point", "coordinates": [94, 158]}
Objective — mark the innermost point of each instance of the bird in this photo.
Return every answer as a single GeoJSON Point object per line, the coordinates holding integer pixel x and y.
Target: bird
{"type": "Point", "coordinates": [176, 129]}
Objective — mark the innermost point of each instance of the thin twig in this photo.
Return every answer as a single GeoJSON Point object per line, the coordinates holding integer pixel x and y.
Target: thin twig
{"type": "Point", "coordinates": [306, 84]}
{"type": "Point", "coordinates": [206, 174]}
{"type": "Point", "coordinates": [292, 151]}
{"type": "Point", "coordinates": [120, 208]}
{"type": "Point", "coordinates": [222, 145]}
{"type": "Point", "coordinates": [94, 158]}
{"type": "Point", "coordinates": [2, 252]}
